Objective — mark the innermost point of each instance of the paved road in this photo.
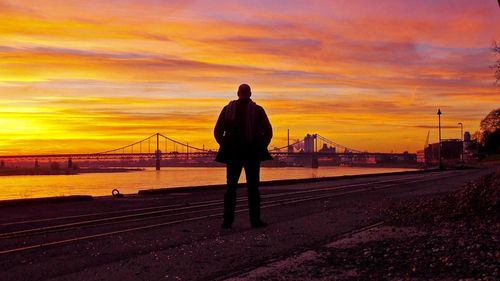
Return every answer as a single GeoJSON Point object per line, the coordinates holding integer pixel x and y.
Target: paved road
{"type": "Point", "coordinates": [177, 236]}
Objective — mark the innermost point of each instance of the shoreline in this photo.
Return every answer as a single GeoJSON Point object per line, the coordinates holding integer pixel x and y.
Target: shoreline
{"type": "Point", "coordinates": [6, 172]}
{"type": "Point", "coordinates": [21, 171]}
{"type": "Point", "coordinates": [169, 190]}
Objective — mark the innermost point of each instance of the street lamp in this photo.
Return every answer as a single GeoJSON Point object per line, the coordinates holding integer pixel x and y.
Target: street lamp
{"type": "Point", "coordinates": [440, 158]}
{"type": "Point", "coordinates": [462, 139]}
{"type": "Point", "coordinates": [461, 130]}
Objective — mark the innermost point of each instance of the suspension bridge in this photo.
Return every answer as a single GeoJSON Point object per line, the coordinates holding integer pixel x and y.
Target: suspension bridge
{"type": "Point", "coordinates": [163, 150]}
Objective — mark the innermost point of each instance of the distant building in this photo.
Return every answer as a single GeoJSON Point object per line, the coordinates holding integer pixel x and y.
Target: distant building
{"type": "Point", "coordinates": [470, 148]}
{"type": "Point", "coordinates": [363, 159]}
{"type": "Point", "coordinates": [421, 156]}
{"type": "Point", "coordinates": [404, 157]}
{"type": "Point", "coordinates": [407, 157]}
{"type": "Point", "coordinates": [451, 150]}
{"type": "Point", "coordinates": [467, 137]}
{"type": "Point", "coordinates": [309, 143]}
{"type": "Point", "coordinates": [326, 149]}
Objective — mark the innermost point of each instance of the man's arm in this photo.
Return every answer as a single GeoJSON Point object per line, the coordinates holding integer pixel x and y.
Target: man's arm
{"type": "Point", "coordinates": [267, 129]}
{"type": "Point", "coordinates": [219, 127]}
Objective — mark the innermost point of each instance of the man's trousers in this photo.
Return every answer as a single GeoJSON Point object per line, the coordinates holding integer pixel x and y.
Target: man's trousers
{"type": "Point", "coordinates": [252, 172]}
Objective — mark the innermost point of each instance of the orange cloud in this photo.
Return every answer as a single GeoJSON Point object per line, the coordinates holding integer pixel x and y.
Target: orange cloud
{"type": "Point", "coordinates": [365, 74]}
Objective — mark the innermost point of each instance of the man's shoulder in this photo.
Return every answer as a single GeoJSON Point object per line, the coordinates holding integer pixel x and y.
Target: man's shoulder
{"type": "Point", "coordinates": [229, 104]}
{"type": "Point", "coordinates": [258, 107]}
{"type": "Point", "coordinates": [259, 110]}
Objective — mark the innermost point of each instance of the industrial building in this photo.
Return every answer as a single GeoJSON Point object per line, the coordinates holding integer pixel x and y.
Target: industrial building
{"type": "Point", "coordinates": [451, 152]}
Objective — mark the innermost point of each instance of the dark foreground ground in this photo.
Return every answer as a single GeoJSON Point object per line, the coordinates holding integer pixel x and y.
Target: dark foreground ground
{"type": "Point", "coordinates": [415, 226]}
{"type": "Point", "coordinates": [453, 236]}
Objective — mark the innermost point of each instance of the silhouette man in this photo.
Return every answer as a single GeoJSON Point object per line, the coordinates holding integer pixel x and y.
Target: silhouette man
{"type": "Point", "coordinates": [243, 132]}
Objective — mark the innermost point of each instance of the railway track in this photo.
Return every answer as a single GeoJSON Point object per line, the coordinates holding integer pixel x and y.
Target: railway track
{"type": "Point", "coordinates": [171, 207]}
{"type": "Point", "coordinates": [123, 221]}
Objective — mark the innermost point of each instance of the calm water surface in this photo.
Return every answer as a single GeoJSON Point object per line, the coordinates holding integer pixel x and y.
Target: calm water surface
{"type": "Point", "coordinates": [13, 187]}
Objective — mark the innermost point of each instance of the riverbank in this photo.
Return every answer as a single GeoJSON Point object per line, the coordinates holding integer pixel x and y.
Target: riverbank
{"type": "Point", "coordinates": [159, 191]}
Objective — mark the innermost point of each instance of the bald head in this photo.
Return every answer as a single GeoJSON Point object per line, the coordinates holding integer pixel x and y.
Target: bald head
{"type": "Point", "coordinates": [244, 91]}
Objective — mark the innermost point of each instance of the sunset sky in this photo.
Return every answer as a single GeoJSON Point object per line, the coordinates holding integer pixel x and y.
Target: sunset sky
{"type": "Point", "coordinates": [87, 76]}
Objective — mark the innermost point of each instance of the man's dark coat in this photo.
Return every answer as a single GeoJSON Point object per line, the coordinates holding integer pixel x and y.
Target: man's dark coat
{"type": "Point", "coordinates": [243, 132]}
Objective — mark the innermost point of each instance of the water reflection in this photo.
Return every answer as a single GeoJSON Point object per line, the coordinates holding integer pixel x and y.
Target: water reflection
{"type": "Point", "coordinates": [12, 187]}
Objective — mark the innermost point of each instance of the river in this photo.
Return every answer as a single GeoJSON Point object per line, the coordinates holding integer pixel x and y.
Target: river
{"type": "Point", "coordinates": [98, 184]}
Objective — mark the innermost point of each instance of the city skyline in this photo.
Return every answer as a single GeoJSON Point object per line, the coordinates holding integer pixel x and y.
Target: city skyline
{"type": "Point", "coordinates": [89, 75]}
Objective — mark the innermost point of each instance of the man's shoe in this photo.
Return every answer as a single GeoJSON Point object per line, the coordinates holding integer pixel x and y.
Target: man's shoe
{"type": "Point", "coordinates": [259, 224]}
{"type": "Point", "coordinates": [226, 225]}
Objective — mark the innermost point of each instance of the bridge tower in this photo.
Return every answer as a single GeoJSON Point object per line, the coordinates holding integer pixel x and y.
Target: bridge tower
{"type": "Point", "coordinates": [158, 152]}
{"type": "Point", "coordinates": [314, 158]}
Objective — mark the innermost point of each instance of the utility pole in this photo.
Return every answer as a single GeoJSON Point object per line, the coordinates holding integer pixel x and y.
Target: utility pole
{"type": "Point", "coordinates": [461, 131]}
{"type": "Point", "coordinates": [440, 145]}
{"type": "Point", "coordinates": [462, 139]}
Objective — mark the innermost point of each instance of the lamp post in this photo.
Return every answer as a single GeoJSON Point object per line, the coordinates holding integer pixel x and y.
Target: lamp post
{"type": "Point", "coordinates": [461, 130]}
{"type": "Point", "coordinates": [462, 139]}
{"type": "Point", "coordinates": [439, 126]}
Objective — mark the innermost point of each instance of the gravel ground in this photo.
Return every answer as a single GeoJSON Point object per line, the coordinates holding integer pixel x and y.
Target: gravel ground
{"type": "Point", "coordinates": [447, 237]}
{"type": "Point", "coordinates": [294, 246]}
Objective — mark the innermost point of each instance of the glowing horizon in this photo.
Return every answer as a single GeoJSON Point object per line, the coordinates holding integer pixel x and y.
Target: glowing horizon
{"type": "Point", "coordinates": [88, 76]}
